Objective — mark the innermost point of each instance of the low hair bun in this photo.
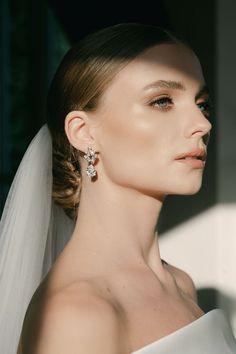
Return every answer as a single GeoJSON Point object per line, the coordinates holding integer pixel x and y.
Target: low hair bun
{"type": "Point", "coordinates": [66, 180]}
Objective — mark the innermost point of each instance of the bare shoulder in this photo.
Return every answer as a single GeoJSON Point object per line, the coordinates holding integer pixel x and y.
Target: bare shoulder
{"type": "Point", "coordinates": [184, 281]}
{"type": "Point", "coordinates": [71, 322]}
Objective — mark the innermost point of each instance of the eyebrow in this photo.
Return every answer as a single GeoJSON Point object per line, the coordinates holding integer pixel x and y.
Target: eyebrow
{"type": "Point", "coordinates": [165, 84]}
{"type": "Point", "coordinates": [204, 91]}
{"type": "Point", "coordinates": [176, 85]}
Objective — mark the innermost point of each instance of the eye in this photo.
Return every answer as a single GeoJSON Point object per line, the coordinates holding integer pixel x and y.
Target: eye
{"type": "Point", "coordinates": [205, 107]}
{"type": "Point", "coordinates": [162, 103]}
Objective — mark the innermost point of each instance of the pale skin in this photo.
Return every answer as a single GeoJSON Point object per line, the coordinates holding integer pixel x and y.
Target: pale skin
{"type": "Point", "coordinates": [109, 292]}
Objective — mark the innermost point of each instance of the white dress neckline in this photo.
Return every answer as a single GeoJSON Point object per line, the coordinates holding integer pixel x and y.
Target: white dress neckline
{"type": "Point", "coordinates": [178, 331]}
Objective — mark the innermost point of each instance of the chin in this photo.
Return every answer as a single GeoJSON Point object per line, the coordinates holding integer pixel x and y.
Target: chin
{"type": "Point", "coordinates": [191, 190]}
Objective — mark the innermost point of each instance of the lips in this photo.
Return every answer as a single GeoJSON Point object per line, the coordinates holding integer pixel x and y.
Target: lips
{"type": "Point", "coordinates": [199, 154]}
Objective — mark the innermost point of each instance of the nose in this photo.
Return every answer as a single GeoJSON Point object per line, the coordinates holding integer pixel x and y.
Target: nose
{"type": "Point", "coordinates": [199, 126]}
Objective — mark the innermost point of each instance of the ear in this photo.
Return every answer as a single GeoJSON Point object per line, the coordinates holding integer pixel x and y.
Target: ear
{"type": "Point", "coordinates": [78, 130]}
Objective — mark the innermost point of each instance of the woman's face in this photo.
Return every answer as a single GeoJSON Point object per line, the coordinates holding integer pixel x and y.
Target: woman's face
{"type": "Point", "coordinates": [154, 110]}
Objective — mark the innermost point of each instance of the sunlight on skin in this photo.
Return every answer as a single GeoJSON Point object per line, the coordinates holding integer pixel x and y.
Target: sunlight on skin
{"type": "Point", "coordinates": [138, 133]}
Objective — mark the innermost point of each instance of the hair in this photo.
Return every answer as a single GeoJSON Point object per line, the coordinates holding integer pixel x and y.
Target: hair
{"type": "Point", "coordinates": [82, 77]}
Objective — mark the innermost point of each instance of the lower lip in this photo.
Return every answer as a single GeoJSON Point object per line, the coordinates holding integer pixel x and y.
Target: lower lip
{"type": "Point", "coordinates": [193, 162]}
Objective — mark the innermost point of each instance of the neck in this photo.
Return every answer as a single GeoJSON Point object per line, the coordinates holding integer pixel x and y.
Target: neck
{"type": "Point", "coordinates": [116, 227]}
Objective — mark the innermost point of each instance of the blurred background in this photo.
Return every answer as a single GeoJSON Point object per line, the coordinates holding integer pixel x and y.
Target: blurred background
{"type": "Point", "coordinates": [198, 233]}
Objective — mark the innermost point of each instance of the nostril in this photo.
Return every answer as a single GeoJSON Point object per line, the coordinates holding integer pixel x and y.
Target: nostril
{"type": "Point", "coordinates": [206, 138]}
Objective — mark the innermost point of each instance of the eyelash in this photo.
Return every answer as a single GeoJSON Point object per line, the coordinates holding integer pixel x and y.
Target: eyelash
{"type": "Point", "coordinates": [206, 105]}
{"type": "Point", "coordinates": [162, 100]}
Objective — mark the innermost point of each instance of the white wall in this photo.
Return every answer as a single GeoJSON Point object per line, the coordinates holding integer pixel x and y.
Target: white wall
{"type": "Point", "coordinates": [205, 247]}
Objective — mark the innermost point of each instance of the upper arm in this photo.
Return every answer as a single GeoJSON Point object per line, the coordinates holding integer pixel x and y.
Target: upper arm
{"type": "Point", "coordinates": [87, 327]}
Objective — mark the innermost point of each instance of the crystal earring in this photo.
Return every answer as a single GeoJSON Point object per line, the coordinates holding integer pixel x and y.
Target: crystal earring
{"type": "Point", "coordinates": [91, 157]}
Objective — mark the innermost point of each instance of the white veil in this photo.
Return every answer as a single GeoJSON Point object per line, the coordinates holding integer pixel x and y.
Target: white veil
{"type": "Point", "coordinates": [33, 230]}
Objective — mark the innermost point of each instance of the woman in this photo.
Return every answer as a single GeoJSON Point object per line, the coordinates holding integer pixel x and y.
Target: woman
{"type": "Point", "coordinates": [128, 112]}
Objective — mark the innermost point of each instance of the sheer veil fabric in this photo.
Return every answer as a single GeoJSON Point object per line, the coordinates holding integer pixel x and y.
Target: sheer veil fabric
{"type": "Point", "coordinates": [33, 231]}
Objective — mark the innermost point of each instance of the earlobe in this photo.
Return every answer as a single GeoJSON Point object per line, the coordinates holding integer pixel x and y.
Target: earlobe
{"type": "Point", "coordinates": [77, 130]}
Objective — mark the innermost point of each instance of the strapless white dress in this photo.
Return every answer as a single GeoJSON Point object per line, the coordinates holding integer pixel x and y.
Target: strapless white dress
{"type": "Point", "coordinates": [209, 334]}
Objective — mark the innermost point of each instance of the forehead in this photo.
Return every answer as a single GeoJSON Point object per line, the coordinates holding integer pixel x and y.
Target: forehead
{"type": "Point", "coordinates": [160, 62]}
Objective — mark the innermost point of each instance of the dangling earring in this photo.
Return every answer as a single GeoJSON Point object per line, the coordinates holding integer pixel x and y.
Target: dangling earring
{"type": "Point", "coordinates": [91, 157]}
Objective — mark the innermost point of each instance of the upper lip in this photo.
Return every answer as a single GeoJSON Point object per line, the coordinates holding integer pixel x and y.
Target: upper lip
{"type": "Point", "coordinates": [201, 153]}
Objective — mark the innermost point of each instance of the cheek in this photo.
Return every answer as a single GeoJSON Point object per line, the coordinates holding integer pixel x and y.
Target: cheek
{"type": "Point", "coordinates": [134, 147]}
